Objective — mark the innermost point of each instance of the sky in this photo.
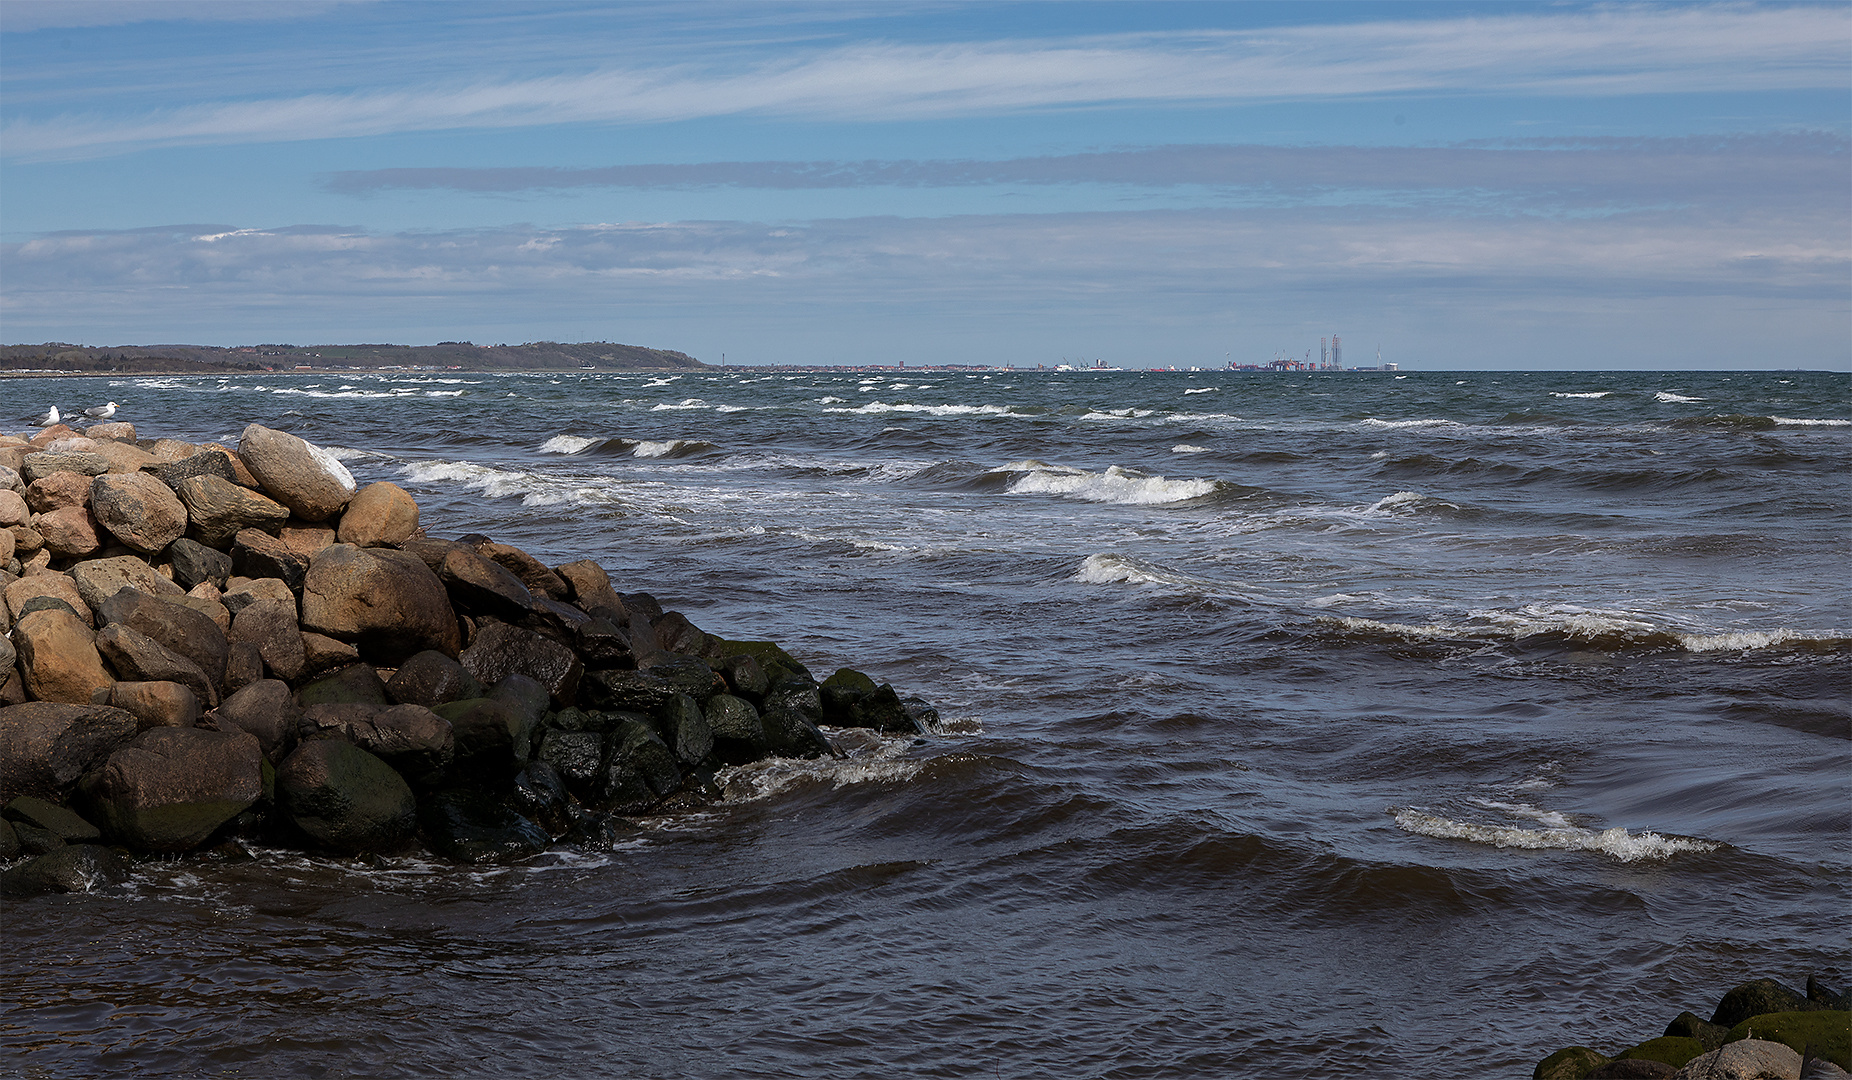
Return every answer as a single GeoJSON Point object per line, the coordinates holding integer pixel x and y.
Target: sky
{"type": "Point", "coordinates": [1460, 185]}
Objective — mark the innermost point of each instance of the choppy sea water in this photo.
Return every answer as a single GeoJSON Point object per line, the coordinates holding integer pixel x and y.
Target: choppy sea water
{"type": "Point", "coordinates": [1296, 726]}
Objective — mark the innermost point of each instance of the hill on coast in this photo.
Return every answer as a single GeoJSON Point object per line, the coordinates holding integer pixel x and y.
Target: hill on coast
{"type": "Point", "coordinates": [461, 355]}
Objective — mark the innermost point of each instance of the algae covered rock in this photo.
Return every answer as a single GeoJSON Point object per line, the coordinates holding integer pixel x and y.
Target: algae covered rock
{"type": "Point", "coordinates": [1569, 1063]}
{"type": "Point", "coordinates": [171, 788]}
{"type": "Point", "coordinates": [345, 798]}
{"type": "Point", "coordinates": [1821, 1033]}
{"type": "Point", "coordinates": [1756, 998]}
{"type": "Point", "coordinates": [46, 747]}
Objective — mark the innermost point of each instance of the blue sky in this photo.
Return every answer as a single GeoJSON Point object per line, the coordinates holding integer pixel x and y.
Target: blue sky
{"type": "Point", "coordinates": [1469, 185]}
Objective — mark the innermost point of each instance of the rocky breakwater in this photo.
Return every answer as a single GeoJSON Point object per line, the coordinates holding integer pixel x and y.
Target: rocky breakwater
{"type": "Point", "coordinates": [1761, 1030]}
{"type": "Point", "coordinates": [205, 645]}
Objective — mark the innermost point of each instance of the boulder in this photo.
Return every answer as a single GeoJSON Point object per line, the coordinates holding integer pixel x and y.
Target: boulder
{"type": "Point", "coordinates": [492, 738]}
{"type": "Point", "coordinates": [58, 491]}
{"type": "Point", "coordinates": [58, 658]}
{"type": "Point", "coordinates": [321, 653]}
{"type": "Point", "coordinates": [195, 463]}
{"type": "Point", "coordinates": [304, 477]}
{"type": "Point", "coordinates": [13, 509]}
{"type": "Point", "coordinates": [744, 676]}
{"type": "Point", "coordinates": [430, 679]}
{"type": "Point", "coordinates": [18, 593]}
{"type": "Point", "coordinates": [590, 587]}
{"type": "Point", "coordinates": [157, 704]}
{"type": "Point", "coordinates": [359, 684]}
{"type": "Point", "coordinates": [344, 798]}
{"type": "Point", "coordinates": [532, 573]}
{"type": "Point", "coordinates": [243, 666]}
{"type": "Point", "coordinates": [69, 533]}
{"type": "Point", "coordinates": [600, 643]}
{"type": "Point", "coordinates": [380, 515]}
{"type": "Point", "coordinates": [268, 711]}
{"type": "Point", "coordinates": [270, 627]}
{"type": "Point", "coordinates": [688, 674]}
{"type": "Point", "coordinates": [480, 587]}
{"type": "Point", "coordinates": [1570, 1063]}
{"type": "Point", "coordinates": [577, 756]}
{"type": "Point", "coordinates": [685, 729]}
{"type": "Point", "coordinates": [539, 795]}
{"type": "Point", "coordinates": [46, 747]}
{"type": "Point", "coordinates": [178, 626]}
{"type": "Point", "coordinates": [78, 868]}
{"type": "Point", "coordinates": [1750, 1059]}
{"type": "Point", "coordinates": [57, 820]}
{"type": "Point", "coordinates": [633, 691]}
{"type": "Point", "coordinates": [1689, 1026]}
{"type": "Point", "coordinates": [739, 736]}
{"type": "Point", "coordinates": [99, 579]}
{"type": "Point", "coordinates": [387, 603]}
{"type": "Point", "coordinates": [167, 450]}
{"type": "Point", "coordinates": [115, 431]}
{"type": "Point", "coordinates": [170, 788]}
{"type": "Point", "coordinates": [139, 510]}
{"type": "Point", "coordinates": [45, 462]}
{"type": "Point", "coordinates": [257, 554]}
{"type": "Point", "coordinates": [851, 699]}
{"type": "Point", "coordinates": [1755, 998]}
{"type": "Point", "coordinates": [639, 770]}
{"type": "Point", "coordinates": [470, 827]}
{"type": "Point", "coordinates": [790, 717]}
{"type": "Point", "coordinates": [500, 650]}
{"type": "Point", "coordinates": [1632, 1069]}
{"type": "Point", "coordinates": [139, 658]}
{"type": "Point", "coordinates": [194, 563]}
{"type": "Point", "coordinates": [411, 738]}
{"type": "Point", "coordinates": [1821, 1033]}
{"type": "Point", "coordinates": [677, 635]}
{"type": "Point", "coordinates": [241, 593]}
{"type": "Point", "coordinates": [218, 508]}
{"type": "Point", "coordinates": [777, 664]}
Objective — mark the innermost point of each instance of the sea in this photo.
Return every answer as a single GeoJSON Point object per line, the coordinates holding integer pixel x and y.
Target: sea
{"type": "Point", "coordinates": [1365, 724]}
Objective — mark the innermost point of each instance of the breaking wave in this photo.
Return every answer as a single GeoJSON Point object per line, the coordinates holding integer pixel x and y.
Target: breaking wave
{"type": "Point", "coordinates": [1616, 843]}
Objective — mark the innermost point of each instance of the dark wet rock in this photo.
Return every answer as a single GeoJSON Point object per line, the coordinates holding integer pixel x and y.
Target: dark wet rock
{"type": "Point", "coordinates": [539, 794]}
{"type": "Point", "coordinates": [1820, 994]}
{"type": "Point", "coordinates": [175, 625]}
{"type": "Point", "coordinates": [9, 842]}
{"type": "Point", "coordinates": [58, 658]}
{"type": "Point", "coordinates": [685, 730]}
{"type": "Point", "coordinates": [602, 645]}
{"type": "Point", "coordinates": [471, 827]}
{"type": "Point", "coordinates": [345, 798]}
{"type": "Point", "coordinates": [138, 510]}
{"type": "Point", "coordinates": [689, 675]}
{"type": "Point", "coordinates": [1756, 998]}
{"type": "Point", "coordinates": [590, 588]}
{"type": "Point", "coordinates": [777, 664]}
{"type": "Point", "coordinates": [642, 603]}
{"type": "Point", "coordinates": [1632, 1069]}
{"type": "Point", "coordinates": [531, 572]}
{"type": "Point", "coordinates": [1690, 1026]}
{"type": "Point", "coordinates": [257, 554]}
{"type": "Point", "coordinates": [790, 717]}
{"type": "Point", "coordinates": [137, 657]}
{"type": "Point", "coordinates": [576, 757]}
{"type": "Point", "coordinates": [524, 694]}
{"type": "Point", "coordinates": [244, 665]}
{"type": "Point", "coordinates": [270, 627]}
{"type": "Point", "coordinates": [745, 678]}
{"type": "Point", "coordinates": [738, 734]}
{"type": "Point", "coordinates": [268, 711]}
{"type": "Point", "coordinates": [46, 747]}
{"type": "Point", "coordinates": [171, 788]}
{"type": "Point", "coordinates": [1570, 1063]}
{"type": "Point", "coordinates": [924, 715]}
{"type": "Point", "coordinates": [852, 699]}
{"type": "Point", "coordinates": [500, 650]}
{"type": "Point", "coordinates": [677, 635]}
{"type": "Point", "coordinates": [78, 868]}
{"type": "Point", "coordinates": [643, 640]}
{"type": "Point", "coordinates": [430, 550]}
{"type": "Point", "coordinates": [300, 475]}
{"type": "Point", "coordinates": [492, 738]}
{"type": "Point", "coordinates": [35, 840]}
{"type": "Point", "coordinates": [379, 515]}
{"type": "Point", "coordinates": [357, 684]}
{"type": "Point", "coordinates": [384, 601]}
{"type": "Point", "coordinates": [1820, 1069]}
{"type": "Point", "coordinates": [60, 821]}
{"type": "Point", "coordinates": [1671, 1050]}
{"type": "Point", "coordinates": [217, 509]}
{"type": "Point", "coordinates": [632, 691]}
{"type": "Point", "coordinates": [639, 770]}
{"type": "Point", "coordinates": [194, 563]}
{"type": "Point", "coordinates": [480, 587]}
{"type": "Point", "coordinates": [430, 679]}
{"type": "Point", "coordinates": [157, 704]}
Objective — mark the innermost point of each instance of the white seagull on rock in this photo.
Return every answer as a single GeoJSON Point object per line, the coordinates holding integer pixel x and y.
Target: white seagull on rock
{"type": "Point", "coordinates": [48, 418]}
{"type": "Point", "coordinates": [101, 412]}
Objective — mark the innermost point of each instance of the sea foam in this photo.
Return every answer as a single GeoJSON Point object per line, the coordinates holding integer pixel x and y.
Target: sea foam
{"type": "Point", "coordinates": [1115, 485]}
{"type": "Point", "coordinates": [1616, 843]}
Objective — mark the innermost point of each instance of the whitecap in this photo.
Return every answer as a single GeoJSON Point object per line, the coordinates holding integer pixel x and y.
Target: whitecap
{"type": "Point", "coordinates": [1201, 390]}
{"type": "Point", "coordinates": [1616, 843]}
{"type": "Point", "coordinates": [1399, 499]}
{"type": "Point", "coordinates": [1671, 397]}
{"type": "Point", "coordinates": [1591, 394]}
{"type": "Point", "coordinates": [686, 403]}
{"type": "Point", "coordinates": [1809, 423]}
{"type": "Point", "coordinates": [1373, 422]}
{"type": "Point", "coordinates": [1757, 639]}
{"type": "Point", "coordinates": [1115, 485]}
{"type": "Point", "coordinates": [1186, 448]}
{"type": "Point", "coordinates": [568, 444]}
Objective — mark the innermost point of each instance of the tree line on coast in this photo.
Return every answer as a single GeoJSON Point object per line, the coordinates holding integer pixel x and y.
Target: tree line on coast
{"type": "Point", "coordinates": [64, 357]}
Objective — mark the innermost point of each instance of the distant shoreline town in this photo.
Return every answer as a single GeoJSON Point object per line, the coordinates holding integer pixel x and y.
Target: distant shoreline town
{"type": "Point", "coordinates": [63, 358]}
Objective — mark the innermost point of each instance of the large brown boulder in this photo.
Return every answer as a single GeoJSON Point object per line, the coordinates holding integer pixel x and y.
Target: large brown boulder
{"type": "Point", "coordinates": [267, 710]}
{"type": "Point", "coordinates": [431, 679]}
{"type": "Point", "coordinates": [136, 657]}
{"type": "Point", "coordinates": [218, 508]}
{"type": "Point", "coordinates": [54, 585]}
{"type": "Point", "coordinates": [57, 491]}
{"type": "Point", "coordinates": [175, 624]}
{"type": "Point", "coordinates": [380, 515]}
{"type": "Point", "coordinates": [171, 788]}
{"type": "Point", "coordinates": [141, 511]}
{"type": "Point", "coordinates": [46, 747]}
{"type": "Point", "coordinates": [99, 579]}
{"type": "Point", "coordinates": [531, 571]}
{"type": "Point", "coordinates": [156, 704]}
{"type": "Point", "coordinates": [271, 626]}
{"type": "Point", "coordinates": [481, 587]}
{"type": "Point", "coordinates": [257, 554]}
{"type": "Point", "coordinates": [500, 650]}
{"type": "Point", "coordinates": [69, 532]}
{"type": "Point", "coordinates": [58, 658]}
{"type": "Point", "coordinates": [345, 798]}
{"type": "Point", "coordinates": [115, 429]}
{"type": "Point", "coordinates": [13, 509]}
{"type": "Point", "coordinates": [45, 462]}
{"type": "Point", "coordinates": [123, 457]}
{"type": "Point", "coordinates": [300, 475]}
{"type": "Point", "coordinates": [386, 602]}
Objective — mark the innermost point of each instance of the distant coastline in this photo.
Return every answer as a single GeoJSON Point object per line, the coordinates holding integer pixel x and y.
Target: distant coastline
{"type": "Point", "coordinates": [61, 358]}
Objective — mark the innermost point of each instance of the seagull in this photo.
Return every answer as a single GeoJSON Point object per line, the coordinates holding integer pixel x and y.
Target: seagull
{"type": "Point", "coordinates": [101, 412]}
{"type": "Point", "coordinates": [49, 418]}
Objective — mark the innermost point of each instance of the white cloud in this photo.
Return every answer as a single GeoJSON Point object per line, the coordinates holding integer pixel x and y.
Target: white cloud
{"type": "Point", "coordinates": [1625, 50]}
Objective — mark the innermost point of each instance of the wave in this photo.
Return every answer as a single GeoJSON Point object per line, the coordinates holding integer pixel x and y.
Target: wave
{"type": "Point", "coordinates": [1117, 484]}
{"type": "Point", "coordinates": [643, 448]}
{"type": "Point", "coordinates": [1790, 422]}
{"type": "Point", "coordinates": [1590, 394]}
{"type": "Point", "coordinates": [351, 392]}
{"type": "Point", "coordinates": [1668, 396]}
{"type": "Point", "coordinates": [1202, 390]}
{"type": "Point", "coordinates": [686, 403]}
{"type": "Point", "coordinates": [532, 489]}
{"type": "Point", "coordinates": [877, 407]}
{"type": "Point", "coordinates": [1616, 843]}
{"type": "Point", "coordinates": [1186, 448]}
{"type": "Point", "coordinates": [1587, 627]}
{"type": "Point", "coordinates": [1426, 423]}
